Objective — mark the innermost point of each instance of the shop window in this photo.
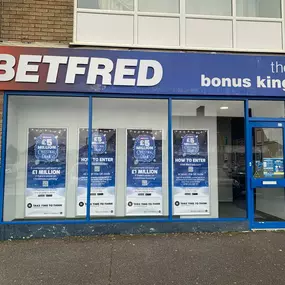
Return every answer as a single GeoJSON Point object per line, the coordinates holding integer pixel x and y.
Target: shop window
{"type": "Point", "coordinates": [42, 157]}
{"type": "Point", "coordinates": [259, 8]}
{"type": "Point", "coordinates": [206, 7]}
{"type": "Point", "coordinates": [267, 109]}
{"type": "Point", "coordinates": [129, 166]}
{"type": "Point", "coordinates": [118, 5]}
{"type": "Point", "coordinates": [161, 6]}
{"type": "Point", "coordinates": [208, 159]}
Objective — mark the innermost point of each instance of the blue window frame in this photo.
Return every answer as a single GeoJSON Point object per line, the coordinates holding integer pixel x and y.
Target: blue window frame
{"type": "Point", "coordinates": [170, 217]}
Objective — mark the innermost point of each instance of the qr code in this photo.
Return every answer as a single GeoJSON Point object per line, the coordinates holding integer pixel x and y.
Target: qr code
{"type": "Point", "coordinates": [144, 182]}
{"type": "Point", "coordinates": [190, 169]}
{"type": "Point", "coordinates": [45, 183]}
{"type": "Point", "coordinates": [97, 168]}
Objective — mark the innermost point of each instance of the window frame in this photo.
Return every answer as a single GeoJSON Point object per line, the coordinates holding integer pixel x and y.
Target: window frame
{"type": "Point", "coordinates": [182, 16]}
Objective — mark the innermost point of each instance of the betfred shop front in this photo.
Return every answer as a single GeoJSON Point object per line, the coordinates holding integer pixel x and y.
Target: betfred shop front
{"type": "Point", "coordinates": [105, 141]}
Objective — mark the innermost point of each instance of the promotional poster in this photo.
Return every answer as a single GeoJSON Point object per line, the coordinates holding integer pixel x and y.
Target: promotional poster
{"type": "Point", "coordinates": [144, 172]}
{"type": "Point", "coordinates": [191, 193]}
{"type": "Point", "coordinates": [46, 172]}
{"type": "Point", "coordinates": [103, 153]}
{"type": "Point", "coordinates": [273, 167]}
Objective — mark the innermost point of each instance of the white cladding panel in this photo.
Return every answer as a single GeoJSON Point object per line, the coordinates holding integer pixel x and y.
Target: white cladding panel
{"type": "Point", "coordinates": [105, 28]}
{"type": "Point", "coordinates": [209, 33]}
{"type": "Point", "coordinates": [160, 31]}
{"type": "Point", "coordinates": [259, 35]}
{"type": "Point", "coordinates": [244, 25]}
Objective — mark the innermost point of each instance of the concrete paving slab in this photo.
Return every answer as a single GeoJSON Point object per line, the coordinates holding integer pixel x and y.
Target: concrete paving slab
{"type": "Point", "coordinates": [205, 258]}
{"type": "Point", "coordinates": [67, 261]}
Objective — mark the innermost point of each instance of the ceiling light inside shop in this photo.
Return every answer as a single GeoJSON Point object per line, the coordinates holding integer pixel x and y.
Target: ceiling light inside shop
{"type": "Point", "coordinates": [224, 108]}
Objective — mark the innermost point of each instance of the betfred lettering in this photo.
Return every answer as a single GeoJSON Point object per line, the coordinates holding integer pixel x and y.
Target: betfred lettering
{"type": "Point", "coordinates": [123, 72]}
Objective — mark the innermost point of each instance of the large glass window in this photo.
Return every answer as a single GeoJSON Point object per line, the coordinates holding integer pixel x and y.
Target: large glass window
{"type": "Point", "coordinates": [266, 109]}
{"type": "Point", "coordinates": [162, 6]}
{"type": "Point", "coordinates": [259, 8]}
{"type": "Point", "coordinates": [208, 159]}
{"type": "Point", "coordinates": [206, 7]}
{"type": "Point", "coordinates": [130, 158]}
{"type": "Point", "coordinates": [41, 169]}
{"type": "Point", "coordinates": [118, 5]}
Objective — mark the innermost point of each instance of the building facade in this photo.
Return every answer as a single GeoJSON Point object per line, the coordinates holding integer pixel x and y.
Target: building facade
{"type": "Point", "coordinates": [131, 116]}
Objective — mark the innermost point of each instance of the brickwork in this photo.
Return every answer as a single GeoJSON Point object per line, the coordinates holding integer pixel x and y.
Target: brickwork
{"type": "Point", "coordinates": [37, 20]}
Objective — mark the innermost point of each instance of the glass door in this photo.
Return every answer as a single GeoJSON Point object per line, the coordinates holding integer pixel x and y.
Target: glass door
{"type": "Point", "coordinates": [267, 182]}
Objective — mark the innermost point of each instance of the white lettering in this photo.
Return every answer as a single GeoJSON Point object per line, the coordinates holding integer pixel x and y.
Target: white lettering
{"type": "Point", "coordinates": [260, 82]}
{"type": "Point", "coordinates": [25, 66]}
{"type": "Point", "coordinates": [122, 71]}
{"type": "Point", "coordinates": [10, 62]}
{"type": "Point", "coordinates": [54, 63]}
{"type": "Point", "coordinates": [145, 65]}
{"type": "Point", "coordinates": [205, 81]}
{"type": "Point", "coordinates": [73, 69]}
{"type": "Point", "coordinates": [104, 71]}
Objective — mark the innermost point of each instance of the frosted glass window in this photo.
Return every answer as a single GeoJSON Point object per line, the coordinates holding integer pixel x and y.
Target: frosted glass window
{"type": "Point", "coordinates": [259, 8]}
{"type": "Point", "coordinates": [209, 7]}
{"type": "Point", "coordinates": [160, 6]}
{"type": "Point", "coordinates": [118, 5]}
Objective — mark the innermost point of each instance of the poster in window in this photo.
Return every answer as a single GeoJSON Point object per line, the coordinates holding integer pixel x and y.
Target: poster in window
{"type": "Point", "coordinates": [144, 172]}
{"type": "Point", "coordinates": [46, 172]}
{"type": "Point", "coordinates": [103, 172]}
{"type": "Point", "coordinates": [191, 192]}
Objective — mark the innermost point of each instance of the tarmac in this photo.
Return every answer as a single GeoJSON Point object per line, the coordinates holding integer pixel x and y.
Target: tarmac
{"type": "Point", "coordinates": [200, 258]}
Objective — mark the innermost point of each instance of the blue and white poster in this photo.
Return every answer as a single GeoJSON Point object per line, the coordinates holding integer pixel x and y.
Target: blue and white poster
{"type": "Point", "coordinates": [191, 192]}
{"type": "Point", "coordinates": [46, 172]}
{"type": "Point", "coordinates": [144, 172]}
{"type": "Point", "coordinates": [273, 167]}
{"type": "Point", "coordinates": [103, 172]}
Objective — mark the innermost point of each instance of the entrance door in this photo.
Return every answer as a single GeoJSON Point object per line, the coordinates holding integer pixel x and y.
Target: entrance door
{"type": "Point", "coordinates": [267, 182]}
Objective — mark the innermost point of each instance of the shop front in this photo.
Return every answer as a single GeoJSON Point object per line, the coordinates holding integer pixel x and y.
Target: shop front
{"type": "Point", "coordinates": [108, 137]}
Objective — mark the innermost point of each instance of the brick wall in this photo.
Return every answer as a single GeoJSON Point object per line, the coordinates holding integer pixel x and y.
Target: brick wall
{"type": "Point", "coordinates": [37, 20]}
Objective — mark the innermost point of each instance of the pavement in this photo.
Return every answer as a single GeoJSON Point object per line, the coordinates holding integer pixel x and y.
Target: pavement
{"type": "Point", "coordinates": [190, 259]}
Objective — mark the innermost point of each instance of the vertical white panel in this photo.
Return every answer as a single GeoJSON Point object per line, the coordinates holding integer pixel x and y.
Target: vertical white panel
{"type": "Point", "coordinates": [209, 33]}
{"type": "Point", "coordinates": [105, 28]}
{"type": "Point", "coordinates": [158, 31]}
{"type": "Point", "coordinates": [259, 35]}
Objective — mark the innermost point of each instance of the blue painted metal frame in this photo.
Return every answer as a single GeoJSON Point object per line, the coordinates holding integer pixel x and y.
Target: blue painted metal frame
{"type": "Point", "coordinates": [261, 123]}
{"type": "Point", "coordinates": [91, 96]}
{"type": "Point", "coordinates": [90, 118]}
{"type": "Point", "coordinates": [3, 153]}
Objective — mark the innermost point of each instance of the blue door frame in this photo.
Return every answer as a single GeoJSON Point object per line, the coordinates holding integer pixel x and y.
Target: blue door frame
{"type": "Point", "coordinates": [266, 183]}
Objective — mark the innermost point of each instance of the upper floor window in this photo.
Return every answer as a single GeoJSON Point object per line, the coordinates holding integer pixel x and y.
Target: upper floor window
{"type": "Point", "coordinates": [259, 8]}
{"type": "Point", "coordinates": [117, 5]}
{"type": "Point", "coordinates": [160, 6]}
{"type": "Point", "coordinates": [206, 7]}
{"type": "Point", "coordinates": [186, 24]}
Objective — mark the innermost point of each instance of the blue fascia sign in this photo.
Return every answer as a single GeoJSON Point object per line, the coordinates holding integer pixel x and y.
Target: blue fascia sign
{"type": "Point", "coordinates": [141, 72]}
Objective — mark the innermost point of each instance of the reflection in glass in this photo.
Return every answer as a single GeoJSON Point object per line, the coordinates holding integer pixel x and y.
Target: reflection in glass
{"type": "Point", "coordinates": [42, 157]}
{"type": "Point", "coordinates": [222, 179]}
{"type": "Point", "coordinates": [259, 8]}
{"type": "Point", "coordinates": [267, 109]}
{"type": "Point", "coordinates": [118, 5]}
{"type": "Point", "coordinates": [268, 152]}
{"type": "Point", "coordinates": [159, 6]}
{"type": "Point", "coordinates": [269, 204]}
{"type": "Point", "coordinates": [139, 176]}
{"type": "Point", "coordinates": [206, 7]}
